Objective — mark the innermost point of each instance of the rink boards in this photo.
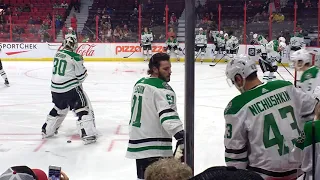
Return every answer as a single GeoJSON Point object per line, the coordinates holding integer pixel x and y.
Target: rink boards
{"type": "Point", "coordinates": [112, 51]}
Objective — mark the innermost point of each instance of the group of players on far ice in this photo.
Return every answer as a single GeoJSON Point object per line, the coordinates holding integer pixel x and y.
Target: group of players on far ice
{"type": "Point", "coordinates": [263, 125]}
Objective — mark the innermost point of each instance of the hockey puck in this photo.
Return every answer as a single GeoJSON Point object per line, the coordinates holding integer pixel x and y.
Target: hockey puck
{"type": "Point", "coordinates": [69, 141]}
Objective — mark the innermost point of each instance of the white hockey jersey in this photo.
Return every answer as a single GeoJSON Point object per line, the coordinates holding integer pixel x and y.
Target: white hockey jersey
{"type": "Point", "coordinates": [201, 40]}
{"type": "Point", "coordinates": [297, 41]}
{"type": "Point", "coordinates": [68, 71]}
{"type": "Point", "coordinates": [154, 119]}
{"type": "Point", "coordinates": [272, 51]}
{"type": "Point", "coordinates": [232, 43]}
{"type": "Point", "coordinates": [146, 38]}
{"type": "Point", "coordinates": [310, 81]}
{"type": "Point", "coordinates": [220, 41]}
{"type": "Point", "coordinates": [307, 150]}
{"type": "Point", "coordinates": [261, 126]}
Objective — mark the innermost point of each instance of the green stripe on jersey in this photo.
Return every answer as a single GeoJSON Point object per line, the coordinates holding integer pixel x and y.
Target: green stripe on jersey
{"type": "Point", "coordinates": [63, 87]}
{"type": "Point", "coordinates": [74, 55]}
{"type": "Point", "coordinates": [155, 82]}
{"type": "Point", "coordinates": [308, 133]}
{"type": "Point", "coordinates": [169, 118]}
{"type": "Point", "coordinates": [241, 100]}
{"type": "Point", "coordinates": [145, 148]}
{"type": "Point", "coordinates": [309, 73]}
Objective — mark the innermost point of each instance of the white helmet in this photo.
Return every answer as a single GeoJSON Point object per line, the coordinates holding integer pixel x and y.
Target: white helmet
{"type": "Point", "coordinates": [300, 58]}
{"type": "Point", "coordinates": [70, 43]}
{"type": "Point", "coordinates": [200, 29]}
{"type": "Point", "coordinates": [282, 39]}
{"type": "Point", "coordinates": [255, 36]}
{"type": "Point", "coordinates": [221, 32]}
{"type": "Point", "coordinates": [226, 35]}
{"type": "Point", "coordinates": [240, 65]}
{"type": "Point", "coordinates": [282, 45]}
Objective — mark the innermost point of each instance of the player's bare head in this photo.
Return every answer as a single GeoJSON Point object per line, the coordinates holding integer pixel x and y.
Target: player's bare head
{"type": "Point", "coordinates": [168, 169]}
{"type": "Point", "coordinates": [146, 29]}
{"type": "Point", "coordinates": [302, 59]}
{"type": "Point", "coordinates": [240, 71]}
{"type": "Point", "coordinates": [160, 66]}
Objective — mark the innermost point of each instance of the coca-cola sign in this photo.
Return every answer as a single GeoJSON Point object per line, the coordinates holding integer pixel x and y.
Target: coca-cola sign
{"type": "Point", "coordinates": [84, 49]}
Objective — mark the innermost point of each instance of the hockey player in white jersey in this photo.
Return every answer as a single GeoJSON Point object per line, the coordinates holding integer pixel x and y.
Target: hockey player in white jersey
{"type": "Point", "coordinates": [4, 75]}
{"type": "Point", "coordinates": [232, 45]}
{"type": "Point", "coordinates": [263, 122]}
{"type": "Point", "coordinates": [268, 61]}
{"type": "Point", "coordinates": [310, 78]}
{"type": "Point", "coordinates": [172, 45]}
{"type": "Point", "coordinates": [201, 44]}
{"type": "Point", "coordinates": [154, 117]}
{"type": "Point", "coordinates": [296, 43]}
{"type": "Point", "coordinates": [220, 45]}
{"type": "Point", "coordinates": [68, 74]}
{"type": "Point", "coordinates": [146, 40]}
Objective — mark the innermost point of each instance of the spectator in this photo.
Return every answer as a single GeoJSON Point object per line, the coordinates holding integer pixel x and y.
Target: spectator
{"type": "Point", "coordinates": [117, 33]}
{"type": "Point", "coordinates": [26, 8]}
{"type": "Point", "coordinates": [76, 4]}
{"type": "Point", "coordinates": [173, 19]}
{"type": "Point", "coordinates": [33, 29]}
{"type": "Point", "coordinates": [58, 20]}
{"type": "Point", "coordinates": [74, 22]}
{"type": "Point", "coordinates": [64, 5]}
{"type": "Point", "coordinates": [199, 9]}
{"type": "Point", "coordinates": [23, 173]}
{"type": "Point", "coordinates": [168, 169]}
{"type": "Point", "coordinates": [171, 33]}
{"type": "Point", "coordinates": [38, 21]}
{"type": "Point", "coordinates": [126, 31]}
{"type": "Point", "coordinates": [57, 4]}
{"type": "Point", "coordinates": [31, 21]}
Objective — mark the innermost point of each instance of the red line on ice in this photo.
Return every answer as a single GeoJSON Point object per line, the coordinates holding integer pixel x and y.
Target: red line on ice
{"type": "Point", "coordinates": [40, 145]}
{"type": "Point", "coordinates": [113, 141]}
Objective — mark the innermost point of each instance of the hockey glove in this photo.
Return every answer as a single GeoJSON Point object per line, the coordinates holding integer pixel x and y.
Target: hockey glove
{"type": "Point", "coordinates": [179, 151]}
{"type": "Point", "coordinates": [147, 40]}
{"type": "Point", "coordinates": [279, 61]}
{"type": "Point", "coordinates": [252, 42]}
{"type": "Point", "coordinates": [274, 68]}
{"type": "Point", "coordinates": [180, 49]}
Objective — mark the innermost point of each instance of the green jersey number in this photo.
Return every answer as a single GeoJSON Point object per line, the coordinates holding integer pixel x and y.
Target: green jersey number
{"type": "Point", "coordinates": [137, 101]}
{"type": "Point", "coordinates": [277, 138]}
{"type": "Point", "coordinates": [59, 66]}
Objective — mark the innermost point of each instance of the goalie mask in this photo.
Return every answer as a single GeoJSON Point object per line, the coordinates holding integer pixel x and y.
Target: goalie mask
{"type": "Point", "coordinates": [282, 46]}
{"type": "Point", "coordinates": [301, 58]}
{"type": "Point", "coordinates": [70, 43]}
{"type": "Point", "coordinates": [242, 66]}
{"type": "Point", "coordinates": [282, 39]}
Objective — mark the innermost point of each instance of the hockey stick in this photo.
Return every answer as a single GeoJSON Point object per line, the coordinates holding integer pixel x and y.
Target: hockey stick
{"type": "Point", "coordinates": [130, 54]}
{"type": "Point", "coordinates": [280, 75]}
{"type": "Point", "coordinates": [212, 65]}
{"type": "Point", "coordinates": [286, 69]}
{"type": "Point", "coordinates": [197, 56]}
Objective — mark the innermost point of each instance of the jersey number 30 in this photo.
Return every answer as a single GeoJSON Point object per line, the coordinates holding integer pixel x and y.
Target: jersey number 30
{"type": "Point", "coordinates": [271, 125]}
{"type": "Point", "coordinates": [59, 66]}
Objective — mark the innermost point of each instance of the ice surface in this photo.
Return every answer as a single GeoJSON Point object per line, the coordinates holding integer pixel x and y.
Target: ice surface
{"type": "Point", "coordinates": [25, 105]}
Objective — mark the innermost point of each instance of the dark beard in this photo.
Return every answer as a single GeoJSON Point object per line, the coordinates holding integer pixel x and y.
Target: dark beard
{"type": "Point", "coordinates": [163, 78]}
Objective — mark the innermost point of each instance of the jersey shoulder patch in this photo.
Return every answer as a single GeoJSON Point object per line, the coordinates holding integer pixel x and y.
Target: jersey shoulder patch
{"type": "Point", "coordinates": [310, 73]}
{"type": "Point", "coordinates": [237, 103]}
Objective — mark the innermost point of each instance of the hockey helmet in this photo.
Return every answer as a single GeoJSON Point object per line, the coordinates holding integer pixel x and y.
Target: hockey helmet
{"type": "Point", "coordinates": [301, 58]}
{"type": "Point", "coordinates": [255, 36]}
{"type": "Point", "coordinates": [282, 39]}
{"type": "Point", "coordinates": [282, 46]}
{"type": "Point", "coordinates": [70, 43]}
{"type": "Point", "coordinates": [200, 29]}
{"type": "Point", "coordinates": [226, 35]}
{"type": "Point", "coordinates": [240, 65]}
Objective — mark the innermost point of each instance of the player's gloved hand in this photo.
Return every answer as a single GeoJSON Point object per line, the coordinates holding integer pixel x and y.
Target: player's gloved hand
{"type": "Point", "coordinates": [147, 40]}
{"type": "Point", "coordinates": [224, 52]}
{"type": "Point", "coordinates": [179, 151]}
{"type": "Point", "coordinates": [205, 46]}
{"type": "Point", "coordinates": [180, 49]}
{"type": "Point", "coordinates": [140, 45]}
{"type": "Point", "coordinates": [275, 68]}
{"type": "Point", "coordinates": [279, 60]}
{"type": "Point", "coordinates": [258, 50]}
{"type": "Point", "coordinates": [233, 45]}
{"type": "Point", "coordinates": [252, 42]}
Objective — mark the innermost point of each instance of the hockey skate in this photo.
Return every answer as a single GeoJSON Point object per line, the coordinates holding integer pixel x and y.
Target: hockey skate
{"type": "Point", "coordinates": [6, 82]}
{"type": "Point", "coordinates": [89, 139]}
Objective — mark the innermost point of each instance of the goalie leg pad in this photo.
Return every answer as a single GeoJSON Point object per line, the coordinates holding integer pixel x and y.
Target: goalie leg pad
{"type": "Point", "coordinates": [54, 121]}
{"type": "Point", "coordinates": [86, 128]}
